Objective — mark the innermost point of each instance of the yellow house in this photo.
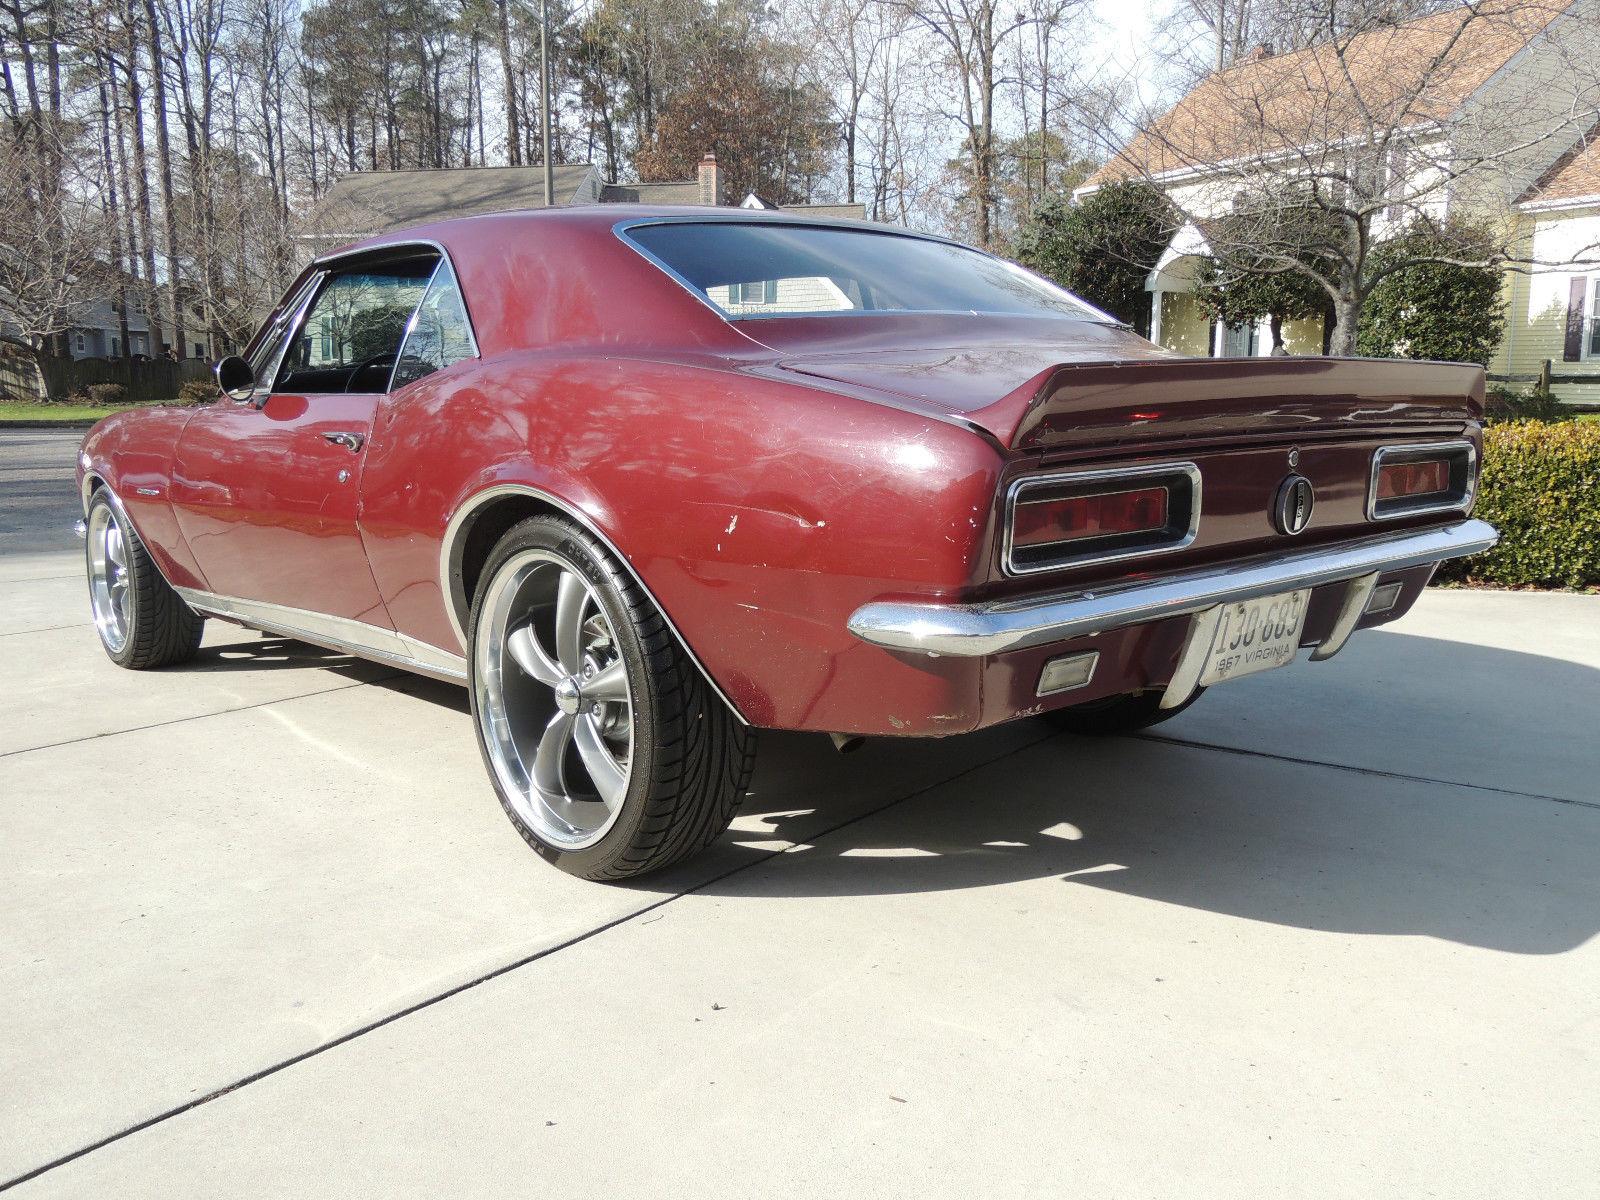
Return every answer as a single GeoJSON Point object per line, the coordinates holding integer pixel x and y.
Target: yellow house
{"type": "Point", "coordinates": [1553, 311]}
{"type": "Point", "coordinates": [1407, 108]}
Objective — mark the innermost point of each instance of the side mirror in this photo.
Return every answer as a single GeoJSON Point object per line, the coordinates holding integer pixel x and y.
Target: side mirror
{"type": "Point", "coordinates": [235, 378]}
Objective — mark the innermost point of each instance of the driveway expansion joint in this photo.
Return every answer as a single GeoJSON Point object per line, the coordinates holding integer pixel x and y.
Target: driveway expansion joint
{"type": "Point", "coordinates": [221, 712]}
{"type": "Point", "coordinates": [503, 969]}
{"type": "Point", "coordinates": [1377, 772]}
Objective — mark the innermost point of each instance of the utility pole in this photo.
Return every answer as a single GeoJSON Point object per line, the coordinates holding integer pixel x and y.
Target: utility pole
{"type": "Point", "coordinates": [544, 100]}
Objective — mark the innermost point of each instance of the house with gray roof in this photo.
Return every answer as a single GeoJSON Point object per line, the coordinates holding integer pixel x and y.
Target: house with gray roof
{"type": "Point", "coordinates": [364, 203]}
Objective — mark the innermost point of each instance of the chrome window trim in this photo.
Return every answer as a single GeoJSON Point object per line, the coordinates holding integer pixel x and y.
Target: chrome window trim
{"type": "Point", "coordinates": [456, 602]}
{"type": "Point", "coordinates": [265, 386]}
{"type": "Point", "coordinates": [1091, 315]}
{"type": "Point", "coordinates": [1462, 505]}
{"type": "Point", "coordinates": [336, 256]}
{"type": "Point", "coordinates": [444, 264]}
{"type": "Point", "coordinates": [411, 325]}
{"type": "Point", "coordinates": [1110, 474]}
{"type": "Point", "coordinates": [335, 260]}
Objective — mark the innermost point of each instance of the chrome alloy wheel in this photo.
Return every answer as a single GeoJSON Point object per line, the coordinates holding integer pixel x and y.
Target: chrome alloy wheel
{"type": "Point", "coordinates": [108, 577]}
{"type": "Point", "coordinates": [553, 700]}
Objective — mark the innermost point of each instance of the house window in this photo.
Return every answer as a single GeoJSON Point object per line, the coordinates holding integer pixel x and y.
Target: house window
{"type": "Point", "coordinates": [1591, 343]}
{"type": "Point", "coordinates": [80, 343]}
{"type": "Point", "coordinates": [760, 292]}
{"type": "Point", "coordinates": [1239, 341]}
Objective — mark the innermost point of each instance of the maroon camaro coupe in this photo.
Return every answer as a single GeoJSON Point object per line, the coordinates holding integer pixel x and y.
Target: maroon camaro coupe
{"type": "Point", "coordinates": [648, 480]}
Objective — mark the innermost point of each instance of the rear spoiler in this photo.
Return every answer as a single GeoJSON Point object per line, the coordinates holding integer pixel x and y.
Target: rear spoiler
{"type": "Point", "coordinates": [1133, 400]}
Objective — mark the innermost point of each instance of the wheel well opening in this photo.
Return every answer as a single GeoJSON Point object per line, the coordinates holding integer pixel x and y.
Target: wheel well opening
{"type": "Point", "coordinates": [488, 525]}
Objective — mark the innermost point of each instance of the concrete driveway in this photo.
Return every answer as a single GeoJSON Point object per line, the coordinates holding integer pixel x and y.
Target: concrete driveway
{"type": "Point", "coordinates": [1331, 932]}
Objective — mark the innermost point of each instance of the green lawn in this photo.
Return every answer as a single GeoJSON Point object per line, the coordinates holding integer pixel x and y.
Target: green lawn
{"type": "Point", "coordinates": [56, 412]}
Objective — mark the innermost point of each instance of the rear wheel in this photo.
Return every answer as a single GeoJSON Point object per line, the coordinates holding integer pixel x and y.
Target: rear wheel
{"type": "Point", "coordinates": [142, 622]}
{"type": "Point", "coordinates": [609, 751]}
{"type": "Point", "coordinates": [1127, 713]}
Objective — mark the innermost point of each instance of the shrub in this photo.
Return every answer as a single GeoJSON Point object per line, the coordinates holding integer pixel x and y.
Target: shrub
{"type": "Point", "coordinates": [1534, 404]}
{"type": "Point", "coordinates": [1434, 309]}
{"type": "Point", "coordinates": [106, 395]}
{"type": "Point", "coordinates": [1103, 248]}
{"type": "Point", "coordinates": [197, 391]}
{"type": "Point", "coordinates": [1541, 489]}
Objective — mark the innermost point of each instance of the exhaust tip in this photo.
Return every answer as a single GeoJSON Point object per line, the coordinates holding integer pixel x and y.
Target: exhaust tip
{"type": "Point", "coordinates": [847, 743]}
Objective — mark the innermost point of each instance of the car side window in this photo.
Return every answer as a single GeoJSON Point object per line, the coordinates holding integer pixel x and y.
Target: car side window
{"type": "Point", "coordinates": [440, 333]}
{"type": "Point", "coordinates": [350, 338]}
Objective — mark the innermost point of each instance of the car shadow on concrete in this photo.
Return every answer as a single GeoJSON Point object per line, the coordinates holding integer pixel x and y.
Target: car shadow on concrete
{"type": "Point", "coordinates": [1242, 833]}
{"type": "Point", "coordinates": [270, 653]}
{"type": "Point", "coordinates": [1343, 842]}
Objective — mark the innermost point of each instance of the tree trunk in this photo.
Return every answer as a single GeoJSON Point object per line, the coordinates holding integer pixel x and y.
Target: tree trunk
{"type": "Point", "coordinates": [513, 127]}
{"type": "Point", "coordinates": [140, 200]}
{"type": "Point", "coordinates": [107, 101]}
{"type": "Point", "coordinates": [1342, 337]}
{"type": "Point", "coordinates": [158, 83]}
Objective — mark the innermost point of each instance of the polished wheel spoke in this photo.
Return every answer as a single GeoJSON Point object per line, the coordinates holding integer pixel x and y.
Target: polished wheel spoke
{"type": "Point", "coordinates": [609, 683]}
{"type": "Point", "coordinates": [110, 583]}
{"type": "Point", "coordinates": [524, 648]}
{"type": "Point", "coordinates": [553, 699]}
{"type": "Point", "coordinates": [572, 597]}
{"type": "Point", "coordinates": [549, 770]}
{"type": "Point", "coordinates": [609, 776]}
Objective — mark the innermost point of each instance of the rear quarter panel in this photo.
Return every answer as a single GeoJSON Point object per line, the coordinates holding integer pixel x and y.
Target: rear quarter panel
{"type": "Point", "coordinates": [760, 514]}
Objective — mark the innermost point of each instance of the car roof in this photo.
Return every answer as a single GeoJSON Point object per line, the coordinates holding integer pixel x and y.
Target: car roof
{"type": "Point", "coordinates": [598, 218]}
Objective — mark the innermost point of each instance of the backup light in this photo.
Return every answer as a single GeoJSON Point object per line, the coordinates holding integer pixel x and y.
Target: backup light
{"type": "Point", "coordinates": [1068, 673]}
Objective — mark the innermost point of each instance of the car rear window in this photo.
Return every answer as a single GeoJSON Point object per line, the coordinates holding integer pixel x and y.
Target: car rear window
{"type": "Point", "coordinates": [780, 270]}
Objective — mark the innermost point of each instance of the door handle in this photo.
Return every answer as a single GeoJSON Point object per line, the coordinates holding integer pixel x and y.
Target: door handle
{"type": "Point", "coordinates": [350, 441]}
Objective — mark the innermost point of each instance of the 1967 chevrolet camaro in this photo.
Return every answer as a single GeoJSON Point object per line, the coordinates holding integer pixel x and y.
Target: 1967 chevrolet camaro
{"type": "Point", "coordinates": [647, 480]}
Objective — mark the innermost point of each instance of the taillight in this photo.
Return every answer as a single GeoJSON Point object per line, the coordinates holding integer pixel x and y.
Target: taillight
{"type": "Point", "coordinates": [1412, 480]}
{"type": "Point", "coordinates": [1398, 480]}
{"type": "Point", "coordinates": [1055, 521]}
{"type": "Point", "coordinates": [1051, 522]}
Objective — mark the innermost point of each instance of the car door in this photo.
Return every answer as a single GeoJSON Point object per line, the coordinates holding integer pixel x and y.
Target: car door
{"type": "Point", "coordinates": [267, 491]}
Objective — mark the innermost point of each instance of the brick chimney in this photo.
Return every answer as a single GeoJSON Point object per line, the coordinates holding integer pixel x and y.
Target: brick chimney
{"type": "Point", "coordinates": [710, 181]}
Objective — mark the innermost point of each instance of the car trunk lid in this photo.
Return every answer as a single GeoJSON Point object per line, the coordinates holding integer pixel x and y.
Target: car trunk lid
{"type": "Point", "coordinates": [1047, 385]}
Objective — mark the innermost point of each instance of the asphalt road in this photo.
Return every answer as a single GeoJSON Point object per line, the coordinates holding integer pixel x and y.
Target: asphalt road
{"type": "Point", "coordinates": [264, 931]}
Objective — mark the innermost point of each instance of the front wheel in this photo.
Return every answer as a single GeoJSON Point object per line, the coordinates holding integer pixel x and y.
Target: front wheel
{"type": "Point", "coordinates": [141, 621]}
{"type": "Point", "coordinates": [609, 751]}
{"type": "Point", "coordinates": [1127, 713]}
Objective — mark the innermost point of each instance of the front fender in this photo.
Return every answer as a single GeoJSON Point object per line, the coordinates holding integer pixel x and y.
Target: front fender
{"type": "Point", "coordinates": [132, 453]}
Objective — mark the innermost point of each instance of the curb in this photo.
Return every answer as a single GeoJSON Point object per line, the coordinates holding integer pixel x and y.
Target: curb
{"type": "Point", "coordinates": [75, 424]}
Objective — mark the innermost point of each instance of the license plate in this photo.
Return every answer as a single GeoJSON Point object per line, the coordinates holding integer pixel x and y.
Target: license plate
{"type": "Point", "coordinates": [1257, 635]}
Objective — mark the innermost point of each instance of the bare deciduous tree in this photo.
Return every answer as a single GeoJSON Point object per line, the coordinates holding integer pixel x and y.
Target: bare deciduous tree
{"type": "Point", "coordinates": [53, 231]}
{"type": "Point", "coordinates": [1314, 157]}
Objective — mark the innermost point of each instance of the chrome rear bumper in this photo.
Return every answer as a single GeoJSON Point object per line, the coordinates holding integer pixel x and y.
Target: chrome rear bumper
{"type": "Point", "coordinates": [974, 630]}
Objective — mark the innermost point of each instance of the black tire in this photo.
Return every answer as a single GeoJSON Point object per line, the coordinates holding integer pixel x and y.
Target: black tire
{"type": "Point", "coordinates": [161, 630]}
{"type": "Point", "coordinates": [691, 757]}
{"type": "Point", "coordinates": [1127, 713]}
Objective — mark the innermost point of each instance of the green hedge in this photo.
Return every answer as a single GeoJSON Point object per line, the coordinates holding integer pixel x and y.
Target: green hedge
{"type": "Point", "coordinates": [1541, 489]}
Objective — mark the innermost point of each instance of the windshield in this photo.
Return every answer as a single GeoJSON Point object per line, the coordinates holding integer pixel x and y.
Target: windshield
{"type": "Point", "coordinates": [772, 270]}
